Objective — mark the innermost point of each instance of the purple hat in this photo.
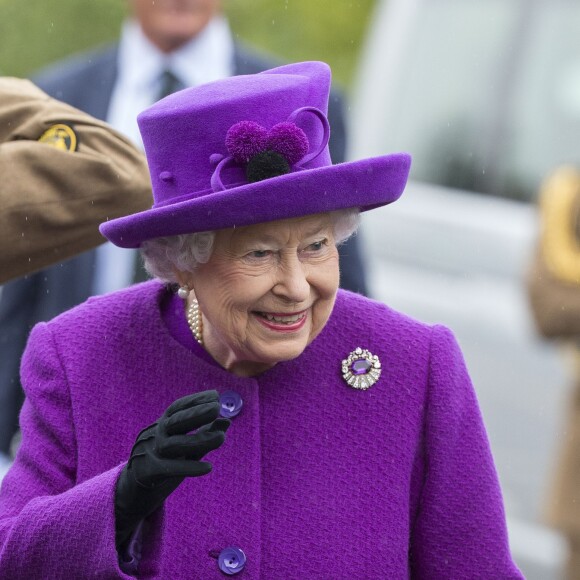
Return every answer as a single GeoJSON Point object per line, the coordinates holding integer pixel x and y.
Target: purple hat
{"type": "Point", "coordinates": [250, 149]}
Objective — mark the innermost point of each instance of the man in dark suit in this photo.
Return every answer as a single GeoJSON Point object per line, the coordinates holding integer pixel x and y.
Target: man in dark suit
{"type": "Point", "coordinates": [163, 47]}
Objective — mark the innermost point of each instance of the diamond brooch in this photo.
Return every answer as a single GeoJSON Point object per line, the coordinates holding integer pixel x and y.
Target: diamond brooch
{"type": "Point", "coordinates": [361, 369]}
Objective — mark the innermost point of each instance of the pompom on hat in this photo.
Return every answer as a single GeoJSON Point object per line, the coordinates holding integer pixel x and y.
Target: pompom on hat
{"type": "Point", "coordinates": [250, 149]}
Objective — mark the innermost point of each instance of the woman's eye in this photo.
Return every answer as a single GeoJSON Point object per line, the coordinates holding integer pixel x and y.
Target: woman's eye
{"type": "Point", "coordinates": [260, 254]}
{"type": "Point", "coordinates": [317, 246]}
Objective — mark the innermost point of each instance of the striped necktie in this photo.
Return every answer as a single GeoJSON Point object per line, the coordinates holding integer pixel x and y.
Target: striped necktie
{"type": "Point", "coordinates": [169, 84]}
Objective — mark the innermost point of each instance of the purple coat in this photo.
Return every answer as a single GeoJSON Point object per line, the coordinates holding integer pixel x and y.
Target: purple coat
{"type": "Point", "coordinates": [315, 480]}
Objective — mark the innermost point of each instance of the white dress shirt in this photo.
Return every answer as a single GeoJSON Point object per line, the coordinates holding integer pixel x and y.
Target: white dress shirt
{"type": "Point", "coordinates": [207, 57]}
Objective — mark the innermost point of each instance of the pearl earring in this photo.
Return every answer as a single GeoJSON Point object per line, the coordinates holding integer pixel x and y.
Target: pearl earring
{"type": "Point", "coordinates": [183, 292]}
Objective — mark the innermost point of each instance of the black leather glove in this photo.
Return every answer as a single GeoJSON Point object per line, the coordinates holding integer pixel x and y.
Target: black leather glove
{"type": "Point", "coordinates": [163, 455]}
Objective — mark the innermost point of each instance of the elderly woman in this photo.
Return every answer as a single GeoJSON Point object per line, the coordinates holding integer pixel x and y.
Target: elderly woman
{"type": "Point", "coordinates": [355, 446]}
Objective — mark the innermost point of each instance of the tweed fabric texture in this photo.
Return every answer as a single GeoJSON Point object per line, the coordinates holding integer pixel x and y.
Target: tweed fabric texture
{"type": "Point", "coordinates": [315, 480]}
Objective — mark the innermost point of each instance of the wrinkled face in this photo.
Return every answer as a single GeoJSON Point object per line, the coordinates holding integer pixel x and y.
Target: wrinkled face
{"type": "Point", "coordinates": [267, 291]}
{"type": "Point", "coordinates": [168, 24]}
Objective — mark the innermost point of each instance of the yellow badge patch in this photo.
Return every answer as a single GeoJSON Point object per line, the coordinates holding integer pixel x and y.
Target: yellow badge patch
{"type": "Point", "coordinates": [60, 136]}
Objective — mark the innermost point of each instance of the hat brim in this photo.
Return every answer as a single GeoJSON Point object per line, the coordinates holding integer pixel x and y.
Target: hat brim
{"type": "Point", "coordinates": [363, 184]}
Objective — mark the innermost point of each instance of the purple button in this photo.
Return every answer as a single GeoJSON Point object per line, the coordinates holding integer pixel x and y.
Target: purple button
{"type": "Point", "coordinates": [231, 404]}
{"type": "Point", "coordinates": [231, 560]}
{"type": "Point", "coordinates": [361, 367]}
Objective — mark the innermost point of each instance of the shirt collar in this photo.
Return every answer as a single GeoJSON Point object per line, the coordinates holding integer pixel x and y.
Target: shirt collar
{"type": "Point", "coordinates": [206, 58]}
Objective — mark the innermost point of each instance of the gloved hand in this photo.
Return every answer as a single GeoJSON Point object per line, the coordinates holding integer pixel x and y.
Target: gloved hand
{"type": "Point", "coordinates": [163, 455]}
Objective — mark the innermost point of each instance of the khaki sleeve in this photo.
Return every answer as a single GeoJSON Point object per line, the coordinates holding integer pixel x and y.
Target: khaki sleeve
{"type": "Point", "coordinates": [63, 173]}
{"type": "Point", "coordinates": [554, 276]}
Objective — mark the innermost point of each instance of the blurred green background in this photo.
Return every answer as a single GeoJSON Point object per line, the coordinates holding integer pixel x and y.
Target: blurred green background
{"type": "Point", "coordinates": [34, 33]}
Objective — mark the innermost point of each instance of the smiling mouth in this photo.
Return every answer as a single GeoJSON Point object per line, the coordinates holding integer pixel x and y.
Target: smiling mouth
{"type": "Point", "coordinates": [282, 319]}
